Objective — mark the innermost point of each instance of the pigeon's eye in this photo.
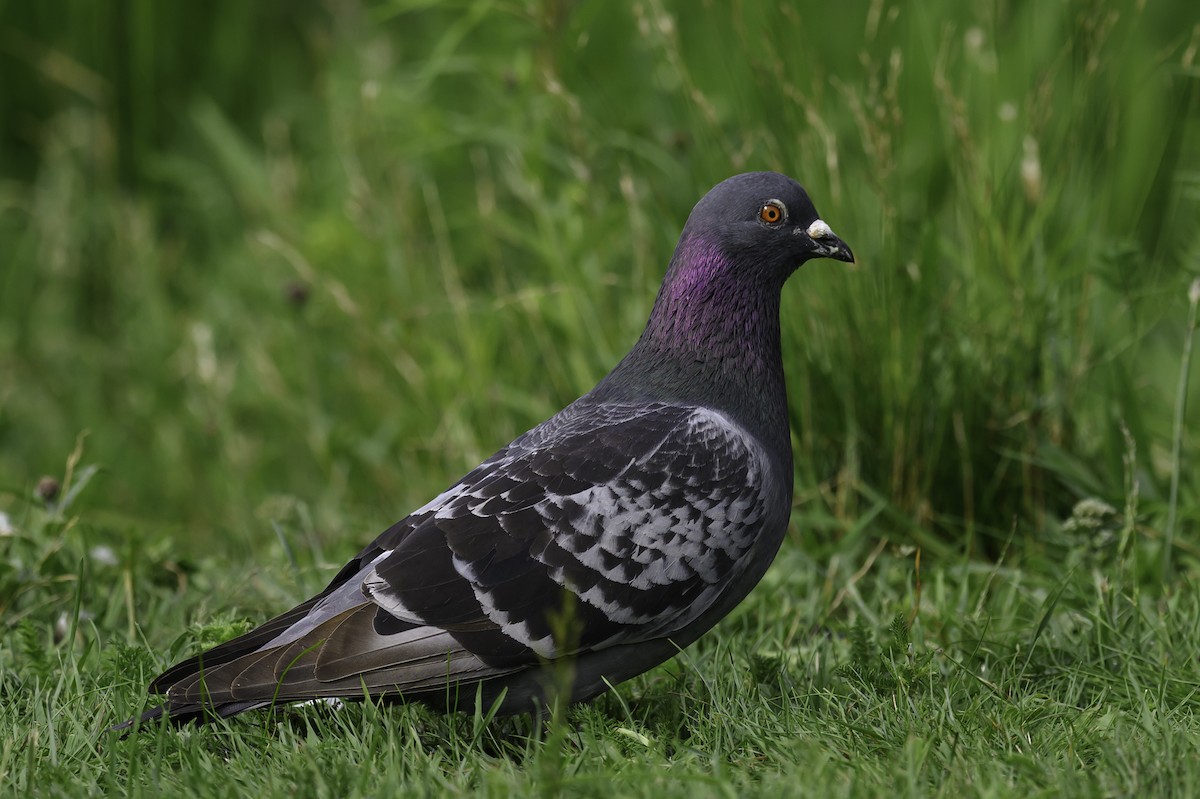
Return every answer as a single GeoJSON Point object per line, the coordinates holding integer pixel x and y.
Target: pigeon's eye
{"type": "Point", "coordinates": [773, 212]}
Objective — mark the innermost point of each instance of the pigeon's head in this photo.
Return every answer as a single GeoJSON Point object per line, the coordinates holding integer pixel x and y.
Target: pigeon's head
{"type": "Point", "coordinates": [713, 335]}
{"type": "Point", "coordinates": [763, 219]}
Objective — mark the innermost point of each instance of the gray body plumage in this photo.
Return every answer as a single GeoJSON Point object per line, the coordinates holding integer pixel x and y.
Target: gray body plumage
{"type": "Point", "coordinates": [606, 538]}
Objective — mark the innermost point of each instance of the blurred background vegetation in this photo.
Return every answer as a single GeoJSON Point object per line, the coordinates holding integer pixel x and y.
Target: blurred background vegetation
{"type": "Point", "coordinates": [295, 266]}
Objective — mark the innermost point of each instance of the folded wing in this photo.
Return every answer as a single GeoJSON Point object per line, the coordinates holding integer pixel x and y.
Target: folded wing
{"type": "Point", "coordinates": [606, 525]}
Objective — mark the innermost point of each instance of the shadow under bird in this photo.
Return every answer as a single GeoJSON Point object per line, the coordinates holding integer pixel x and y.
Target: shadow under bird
{"type": "Point", "coordinates": [641, 514]}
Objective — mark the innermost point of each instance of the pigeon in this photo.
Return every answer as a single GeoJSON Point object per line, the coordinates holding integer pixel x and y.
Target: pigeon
{"type": "Point", "coordinates": [598, 544]}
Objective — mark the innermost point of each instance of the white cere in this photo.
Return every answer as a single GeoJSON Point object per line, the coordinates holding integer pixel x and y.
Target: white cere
{"type": "Point", "coordinates": [819, 230]}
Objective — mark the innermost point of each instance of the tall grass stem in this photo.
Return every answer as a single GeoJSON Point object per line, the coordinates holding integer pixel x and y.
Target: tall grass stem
{"type": "Point", "coordinates": [1177, 434]}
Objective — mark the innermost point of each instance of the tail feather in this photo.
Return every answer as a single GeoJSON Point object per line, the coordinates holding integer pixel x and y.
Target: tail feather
{"type": "Point", "coordinates": [179, 715]}
{"type": "Point", "coordinates": [257, 638]}
{"type": "Point", "coordinates": [344, 657]}
{"type": "Point", "coordinates": [232, 649]}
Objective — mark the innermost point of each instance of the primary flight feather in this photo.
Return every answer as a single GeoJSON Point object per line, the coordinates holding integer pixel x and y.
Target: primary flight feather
{"type": "Point", "coordinates": [609, 536]}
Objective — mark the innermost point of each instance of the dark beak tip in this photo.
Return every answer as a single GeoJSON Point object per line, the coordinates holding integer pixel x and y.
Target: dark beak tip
{"type": "Point", "coordinates": [840, 252]}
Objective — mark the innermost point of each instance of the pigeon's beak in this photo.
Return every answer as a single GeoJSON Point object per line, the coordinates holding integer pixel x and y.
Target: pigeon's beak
{"type": "Point", "coordinates": [824, 244]}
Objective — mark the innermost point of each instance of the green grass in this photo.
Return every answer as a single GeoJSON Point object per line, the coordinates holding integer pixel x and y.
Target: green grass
{"type": "Point", "coordinates": [273, 274]}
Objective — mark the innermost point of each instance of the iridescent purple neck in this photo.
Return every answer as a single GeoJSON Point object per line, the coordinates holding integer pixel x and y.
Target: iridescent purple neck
{"type": "Point", "coordinates": [716, 311]}
{"type": "Point", "coordinates": [712, 339]}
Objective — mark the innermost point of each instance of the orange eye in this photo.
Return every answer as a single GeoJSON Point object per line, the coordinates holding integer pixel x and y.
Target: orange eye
{"type": "Point", "coordinates": [772, 212]}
